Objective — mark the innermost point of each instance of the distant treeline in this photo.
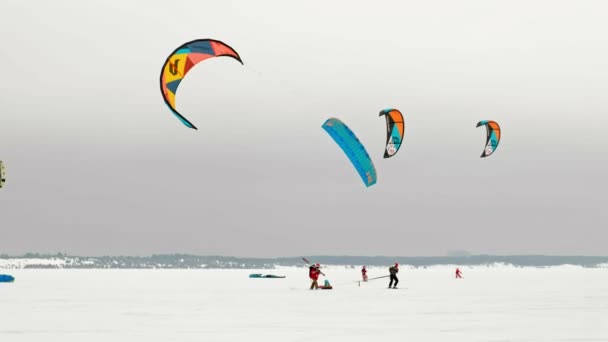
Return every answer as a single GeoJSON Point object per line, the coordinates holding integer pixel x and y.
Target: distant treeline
{"type": "Point", "coordinates": [213, 261]}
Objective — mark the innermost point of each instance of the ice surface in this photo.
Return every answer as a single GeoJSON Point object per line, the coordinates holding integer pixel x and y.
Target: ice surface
{"type": "Point", "coordinates": [490, 304]}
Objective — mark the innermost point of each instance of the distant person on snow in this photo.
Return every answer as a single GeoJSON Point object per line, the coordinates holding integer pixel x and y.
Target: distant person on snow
{"type": "Point", "coordinates": [393, 270]}
{"type": "Point", "coordinates": [458, 273]}
{"type": "Point", "coordinates": [313, 273]}
{"type": "Point", "coordinates": [364, 273]}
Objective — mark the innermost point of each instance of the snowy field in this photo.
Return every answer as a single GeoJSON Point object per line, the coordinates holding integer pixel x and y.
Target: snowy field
{"type": "Point", "coordinates": [490, 304]}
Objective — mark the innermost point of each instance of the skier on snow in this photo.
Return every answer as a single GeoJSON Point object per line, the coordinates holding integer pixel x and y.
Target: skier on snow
{"type": "Point", "coordinates": [364, 273]}
{"type": "Point", "coordinates": [393, 270]}
{"type": "Point", "coordinates": [458, 273]}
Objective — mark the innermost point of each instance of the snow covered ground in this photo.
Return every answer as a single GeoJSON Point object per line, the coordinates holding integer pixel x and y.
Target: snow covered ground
{"type": "Point", "coordinates": [490, 304]}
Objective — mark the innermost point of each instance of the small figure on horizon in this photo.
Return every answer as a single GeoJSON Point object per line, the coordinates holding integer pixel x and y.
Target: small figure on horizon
{"type": "Point", "coordinates": [458, 273]}
{"type": "Point", "coordinates": [393, 270]}
{"type": "Point", "coordinates": [313, 273]}
{"type": "Point", "coordinates": [364, 273]}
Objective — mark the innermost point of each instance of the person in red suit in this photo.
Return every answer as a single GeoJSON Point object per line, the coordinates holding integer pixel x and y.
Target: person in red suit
{"type": "Point", "coordinates": [313, 273]}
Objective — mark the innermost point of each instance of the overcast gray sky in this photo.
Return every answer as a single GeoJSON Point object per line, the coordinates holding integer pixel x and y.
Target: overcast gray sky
{"type": "Point", "coordinates": [96, 163]}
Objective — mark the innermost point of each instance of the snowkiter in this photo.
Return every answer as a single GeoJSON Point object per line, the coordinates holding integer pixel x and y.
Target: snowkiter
{"type": "Point", "coordinates": [364, 273]}
{"type": "Point", "coordinates": [313, 273]}
{"type": "Point", "coordinates": [393, 270]}
{"type": "Point", "coordinates": [458, 273]}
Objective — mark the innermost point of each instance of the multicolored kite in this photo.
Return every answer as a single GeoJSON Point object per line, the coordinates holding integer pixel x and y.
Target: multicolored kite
{"type": "Point", "coordinates": [395, 128]}
{"type": "Point", "coordinates": [181, 60]}
{"type": "Point", "coordinates": [493, 136]}
{"type": "Point", "coordinates": [2, 174]}
{"type": "Point", "coordinates": [352, 147]}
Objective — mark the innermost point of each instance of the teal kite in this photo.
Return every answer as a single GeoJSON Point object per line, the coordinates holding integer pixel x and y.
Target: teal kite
{"type": "Point", "coordinates": [492, 136]}
{"type": "Point", "coordinates": [352, 147]}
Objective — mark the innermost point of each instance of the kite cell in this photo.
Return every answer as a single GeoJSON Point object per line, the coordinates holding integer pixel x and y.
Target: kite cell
{"type": "Point", "coordinates": [2, 174]}
{"type": "Point", "coordinates": [353, 149]}
{"type": "Point", "coordinates": [394, 131]}
{"type": "Point", "coordinates": [181, 61]}
{"type": "Point", "coordinates": [493, 136]}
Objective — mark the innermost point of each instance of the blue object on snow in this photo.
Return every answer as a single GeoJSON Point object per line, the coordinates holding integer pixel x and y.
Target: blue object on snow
{"type": "Point", "coordinates": [5, 278]}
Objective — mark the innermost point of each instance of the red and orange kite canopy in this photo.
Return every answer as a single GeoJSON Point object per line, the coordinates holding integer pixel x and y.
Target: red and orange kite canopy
{"type": "Point", "coordinates": [181, 61]}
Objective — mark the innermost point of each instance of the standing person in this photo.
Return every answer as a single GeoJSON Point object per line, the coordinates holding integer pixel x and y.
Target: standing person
{"type": "Point", "coordinates": [364, 273]}
{"type": "Point", "coordinates": [393, 270]}
{"type": "Point", "coordinates": [458, 273]}
{"type": "Point", "coordinates": [313, 273]}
